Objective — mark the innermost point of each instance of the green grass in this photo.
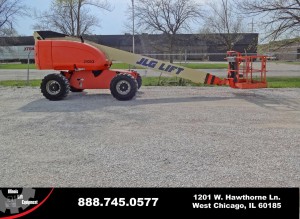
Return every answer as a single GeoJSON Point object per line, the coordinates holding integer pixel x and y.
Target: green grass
{"type": "Point", "coordinates": [283, 82]}
{"type": "Point", "coordinates": [17, 66]}
{"type": "Point", "coordinates": [126, 66]}
{"type": "Point", "coordinates": [273, 82]}
{"type": "Point", "coordinates": [205, 65]}
{"type": "Point", "coordinates": [188, 65]}
{"type": "Point", "coordinates": [289, 63]}
{"type": "Point", "coordinates": [20, 83]}
{"type": "Point", "coordinates": [168, 81]}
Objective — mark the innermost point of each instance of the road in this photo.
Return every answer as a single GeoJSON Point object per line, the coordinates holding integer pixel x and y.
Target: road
{"type": "Point", "coordinates": [274, 69]}
{"type": "Point", "coordinates": [165, 137]}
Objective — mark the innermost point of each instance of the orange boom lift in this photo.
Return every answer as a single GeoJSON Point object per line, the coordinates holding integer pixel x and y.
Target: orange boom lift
{"type": "Point", "coordinates": [86, 65]}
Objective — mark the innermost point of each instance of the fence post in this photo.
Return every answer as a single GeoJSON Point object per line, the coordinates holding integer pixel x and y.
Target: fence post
{"type": "Point", "coordinates": [28, 62]}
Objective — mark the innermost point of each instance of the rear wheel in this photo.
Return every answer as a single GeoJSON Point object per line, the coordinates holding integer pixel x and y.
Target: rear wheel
{"type": "Point", "coordinates": [55, 87]}
{"type": "Point", "coordinates": [123, 87]}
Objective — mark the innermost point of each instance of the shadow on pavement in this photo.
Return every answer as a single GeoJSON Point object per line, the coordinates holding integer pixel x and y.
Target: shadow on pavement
{"type": "Point", "coordinates": [271, 103]}
{"type": "Point", "coordinates": [81, 103]}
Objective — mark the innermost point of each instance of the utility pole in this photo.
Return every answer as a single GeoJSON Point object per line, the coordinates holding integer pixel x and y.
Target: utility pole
{"type": "Point", "coordinates": [28, 62]}
{"type": "Point", "coordinates": [133, 40]}
{"type": "Point", "coordinates": [251, 28]}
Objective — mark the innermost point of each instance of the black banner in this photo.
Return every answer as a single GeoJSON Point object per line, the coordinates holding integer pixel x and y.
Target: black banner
{"type": "Point", "coordinates": [95, 202]}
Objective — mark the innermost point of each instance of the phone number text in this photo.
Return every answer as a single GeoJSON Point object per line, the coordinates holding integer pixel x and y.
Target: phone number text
{"type": "Point", "coordinates": [122, 202]}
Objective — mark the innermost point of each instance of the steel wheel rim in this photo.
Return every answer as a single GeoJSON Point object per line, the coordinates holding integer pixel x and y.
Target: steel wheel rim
{"type": "Point", "coordinates": [123, 87]}
{"type": "Point", "coordinates": [53, 87]}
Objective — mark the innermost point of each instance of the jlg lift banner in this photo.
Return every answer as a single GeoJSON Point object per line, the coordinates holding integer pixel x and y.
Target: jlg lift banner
{"type": "Point", "coordinates": [99, 202]}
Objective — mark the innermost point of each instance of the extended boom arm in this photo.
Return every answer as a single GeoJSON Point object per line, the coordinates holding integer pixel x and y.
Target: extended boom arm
{"type": "Point", "coordinates": [240, 70]}
{"type": "Point", "coordinates": [138, 60]}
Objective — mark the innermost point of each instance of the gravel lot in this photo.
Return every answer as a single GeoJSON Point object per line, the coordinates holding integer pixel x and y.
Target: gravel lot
{"type": "Point", "coordinates": [167, 136]}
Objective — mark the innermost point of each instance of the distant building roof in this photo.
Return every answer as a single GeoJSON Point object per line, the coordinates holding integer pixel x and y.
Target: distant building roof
{"type": "Point", "coordinates": [186, 39]}
{"type": "Point", "coordinates": [16, 41]}
{"type": "Point", "coordinates": [148, 41]}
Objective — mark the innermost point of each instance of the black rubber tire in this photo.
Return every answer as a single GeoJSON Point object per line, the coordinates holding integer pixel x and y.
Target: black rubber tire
{"type": "Point", "coordinates": [73, 89]}
{"type": "Point", "coordinates": [139, 81]}
{"type": "Point", "coordinates": [120, 84]}
{"type": "Point", "coordinates": [55, 87]}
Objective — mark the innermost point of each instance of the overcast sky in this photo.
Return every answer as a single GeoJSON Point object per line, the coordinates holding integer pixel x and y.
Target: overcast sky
{"type": "Point", "coordinates": [111, 22]}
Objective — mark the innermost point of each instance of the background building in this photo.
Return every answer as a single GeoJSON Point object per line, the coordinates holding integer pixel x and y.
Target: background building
{"type": "Point", "coordinates": [288, 50]}
{"type": "Point", "coordinates": [187, 47]}
{"type": "Point", "coordinates": [16, 49]}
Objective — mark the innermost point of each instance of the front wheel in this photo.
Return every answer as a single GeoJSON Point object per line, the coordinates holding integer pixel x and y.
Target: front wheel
{"type": "Point", "coordinates": [55, 87]}
{"type": "Point", "coordinates": [123, 87]}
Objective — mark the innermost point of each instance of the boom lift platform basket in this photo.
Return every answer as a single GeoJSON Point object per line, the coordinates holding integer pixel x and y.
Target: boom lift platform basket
{"type": "Point", "coordinates": [242, 72]}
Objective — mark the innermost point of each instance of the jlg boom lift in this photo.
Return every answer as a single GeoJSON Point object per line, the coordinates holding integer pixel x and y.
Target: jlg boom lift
{"type": "Point", "coordinates": [86, 65]}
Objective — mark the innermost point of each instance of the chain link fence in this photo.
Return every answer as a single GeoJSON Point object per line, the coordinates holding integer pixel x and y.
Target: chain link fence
{"type": "Point", "coordinates": [220, 57]}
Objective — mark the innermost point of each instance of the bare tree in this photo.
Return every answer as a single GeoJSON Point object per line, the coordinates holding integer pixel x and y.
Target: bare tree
{"type": "Point", "coordinates": [169, 17]}
{"type": "Point", "coordinates": [223, 23]}
{"type": "Point", "coordinates": [9, 11]}
{"type": "Point", "coordinates": [280, 18]}
{"type": "Point", "coordinates": [72, 17]}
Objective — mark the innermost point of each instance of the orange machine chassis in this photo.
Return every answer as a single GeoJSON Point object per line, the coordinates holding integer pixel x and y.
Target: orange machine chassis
{"type": "Point", "coordinates": [82, 66]}
{"type": "Point", "coordinates": [93, 79]}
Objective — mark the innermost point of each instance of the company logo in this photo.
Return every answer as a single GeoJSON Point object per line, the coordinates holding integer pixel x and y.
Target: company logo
{"type": "Point", "coordinates": [28, 48]}
{"type": "Point", "coordinates": [163, 67]}
{"type": "Point", "coordinates": [13, 199]}
{"type": "Point", "coordinates": [88, 61]}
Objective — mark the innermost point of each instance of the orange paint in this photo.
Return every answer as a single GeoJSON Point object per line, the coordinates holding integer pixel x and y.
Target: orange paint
{"type": "Point", "coordinates": [85, 66]}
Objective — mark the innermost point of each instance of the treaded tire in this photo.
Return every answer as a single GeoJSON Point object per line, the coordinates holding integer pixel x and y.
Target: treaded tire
{"type": "Point", "coordinates": [123, 87]}
{"type": "Point", "coordinates": [73, 89]}
{"type": "Point", "coordinates": [55, 87]}
{"type": "Point", "coordinates": [139, 81]}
